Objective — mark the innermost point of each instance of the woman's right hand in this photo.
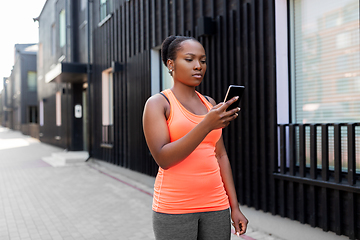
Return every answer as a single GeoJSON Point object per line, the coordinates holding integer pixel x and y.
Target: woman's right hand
{"type": "Point", "coordinates": [218, 117]}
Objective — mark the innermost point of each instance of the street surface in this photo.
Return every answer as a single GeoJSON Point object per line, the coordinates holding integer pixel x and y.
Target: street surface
{"type": "Point", "coordinates": [82, 201]}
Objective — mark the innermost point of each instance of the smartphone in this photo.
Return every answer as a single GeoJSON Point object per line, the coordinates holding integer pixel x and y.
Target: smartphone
{"type": "Point", "coordinates": [234, 90]}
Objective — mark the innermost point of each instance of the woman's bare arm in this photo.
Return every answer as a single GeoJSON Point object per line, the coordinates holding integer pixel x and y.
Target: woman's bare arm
{"type": "Point", "coordinates": [239, 220]}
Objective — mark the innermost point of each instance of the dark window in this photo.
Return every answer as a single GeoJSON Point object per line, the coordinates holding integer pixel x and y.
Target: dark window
{"type": "Point", "coordinates": [33, 114]}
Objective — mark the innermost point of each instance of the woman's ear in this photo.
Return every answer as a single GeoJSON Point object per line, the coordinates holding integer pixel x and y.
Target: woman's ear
{"type": "Point", "coordinates": [170, 64]}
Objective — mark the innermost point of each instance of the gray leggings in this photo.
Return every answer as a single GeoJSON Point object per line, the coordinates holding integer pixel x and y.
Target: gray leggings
{"type": "Point", "coordinates": [192, 226]}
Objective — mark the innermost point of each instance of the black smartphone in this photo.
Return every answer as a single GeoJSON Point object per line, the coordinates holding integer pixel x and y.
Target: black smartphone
{"type": "Point", "coordinates": [234, 90]}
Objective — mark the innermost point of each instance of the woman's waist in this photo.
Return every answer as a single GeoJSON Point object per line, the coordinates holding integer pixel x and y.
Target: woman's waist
{"type": "Point", "coordinates": [190, 183]}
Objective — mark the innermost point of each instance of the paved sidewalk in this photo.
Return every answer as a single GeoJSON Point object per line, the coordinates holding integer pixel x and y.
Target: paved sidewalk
{"type": "Point", "coordinates": [93, 200]}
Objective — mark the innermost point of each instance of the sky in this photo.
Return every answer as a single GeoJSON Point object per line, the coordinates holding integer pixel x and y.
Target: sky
{"type": "Point", "coordinates": [16, 26]}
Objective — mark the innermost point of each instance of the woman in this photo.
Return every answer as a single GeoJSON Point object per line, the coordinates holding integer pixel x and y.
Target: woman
{"type": "Point", "coordinates": [194, 186]}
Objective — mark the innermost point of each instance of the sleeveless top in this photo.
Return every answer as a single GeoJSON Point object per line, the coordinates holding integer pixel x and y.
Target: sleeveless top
{"type": "Point", "coordinates": [194, 184]}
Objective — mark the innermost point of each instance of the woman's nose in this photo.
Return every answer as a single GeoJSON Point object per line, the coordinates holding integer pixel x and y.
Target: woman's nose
{"type": "Point", "coordinates": [197, 65]}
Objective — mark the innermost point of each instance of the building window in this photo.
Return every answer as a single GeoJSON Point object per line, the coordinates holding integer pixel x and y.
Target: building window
{"type": "Point", "coordinates": [32, 114]}
{"type": "Point", "coordinates": [58, 108]}
{"type": "Point", "coordinates": [53, 39]}
{"type": "Point", "coordinates": [83, 4]}
{"type": "Point", "coordinates": [324, 53]}
{"type": "Point", "coordinates": [32, 81]}
{"type": "Point", "coordinates": [41, 113]}
{"type": "Point", "coordinates": [160, 77]}
{"type": "Point", "coordinates": [62, 28]}
{"type": "Point", "coordinates": [107, 106]}
{"type": "Point", "coordinates": [105, 8]}
{"type": "Point", "coordinates": [325, 61]}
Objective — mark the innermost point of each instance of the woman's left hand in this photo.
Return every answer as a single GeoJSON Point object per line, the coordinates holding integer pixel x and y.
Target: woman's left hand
{"type": "Point", "coordinates": [239, 221]}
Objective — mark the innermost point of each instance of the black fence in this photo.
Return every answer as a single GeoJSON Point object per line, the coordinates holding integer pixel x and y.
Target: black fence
{"type": "Point", "coordinates": [317, 175]}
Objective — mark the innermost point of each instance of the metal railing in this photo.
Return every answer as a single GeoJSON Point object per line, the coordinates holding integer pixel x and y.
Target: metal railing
{"type": "Point", "coordinates": [327, 152]}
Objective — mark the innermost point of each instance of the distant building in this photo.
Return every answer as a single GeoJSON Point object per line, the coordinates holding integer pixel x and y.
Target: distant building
{"type": "Point", "coordinates": [20, 91]}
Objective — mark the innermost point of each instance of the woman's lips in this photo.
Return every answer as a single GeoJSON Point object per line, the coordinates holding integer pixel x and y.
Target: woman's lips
{"type": "Point", "coordinates": [197, 75]}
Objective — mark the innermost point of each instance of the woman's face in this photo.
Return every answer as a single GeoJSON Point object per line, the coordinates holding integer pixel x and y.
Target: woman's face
{"type": "Point", "coordinates": [189, 66]}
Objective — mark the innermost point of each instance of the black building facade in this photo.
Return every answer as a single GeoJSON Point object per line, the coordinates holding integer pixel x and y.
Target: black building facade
{"type": "Point", "coordinates": [110, 64]}
{"type": "Point", "coordinates": [62, 73]}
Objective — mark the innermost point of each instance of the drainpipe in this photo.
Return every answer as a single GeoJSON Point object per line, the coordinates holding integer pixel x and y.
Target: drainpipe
{"type": "Point", "coordinates": [89, 80]}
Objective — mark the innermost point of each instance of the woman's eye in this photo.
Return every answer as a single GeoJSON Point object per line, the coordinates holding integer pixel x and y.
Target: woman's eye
{"type": "Point", "coordinates": [203, 61]}
{"type": "Point", "coordinates": [188, 60]}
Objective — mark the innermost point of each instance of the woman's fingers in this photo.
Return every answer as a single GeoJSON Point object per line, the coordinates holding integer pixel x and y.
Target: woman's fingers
{"type": "Point", "coordinates": [228, 103]}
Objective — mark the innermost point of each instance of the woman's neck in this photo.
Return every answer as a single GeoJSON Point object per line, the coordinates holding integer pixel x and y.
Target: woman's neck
{"type": "Point", "coordinates": [182, 91]}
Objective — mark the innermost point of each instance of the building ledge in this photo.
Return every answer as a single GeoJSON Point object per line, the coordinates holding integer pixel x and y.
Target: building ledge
{"type": "Point", "coordinates": [67, 72]}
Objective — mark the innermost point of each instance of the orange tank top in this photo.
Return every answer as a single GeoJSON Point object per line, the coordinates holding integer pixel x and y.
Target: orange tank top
{"type": "Point", "coordinates": [194, 184]}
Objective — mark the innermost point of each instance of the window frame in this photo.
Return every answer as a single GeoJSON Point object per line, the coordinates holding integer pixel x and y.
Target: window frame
{"type": "Point", "coordinates": [62, 28]}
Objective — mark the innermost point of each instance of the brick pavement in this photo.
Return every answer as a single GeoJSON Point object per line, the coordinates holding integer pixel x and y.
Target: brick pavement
{"type": "Point", "coordinates": [74, 202]}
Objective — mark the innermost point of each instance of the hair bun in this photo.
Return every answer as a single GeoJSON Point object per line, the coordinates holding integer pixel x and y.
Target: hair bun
{"type": "Point", "coordinates": [165, 48]}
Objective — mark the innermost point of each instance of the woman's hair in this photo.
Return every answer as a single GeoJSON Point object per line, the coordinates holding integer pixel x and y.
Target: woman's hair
{"type": "Point", "coordinates": [171, 45]}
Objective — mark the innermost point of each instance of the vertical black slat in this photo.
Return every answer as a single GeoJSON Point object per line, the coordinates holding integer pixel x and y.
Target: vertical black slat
{"type": "Point", "coordinates": [270, 63]}
{"type": "Point", "coordinates": [337, 153]}
{"type": "Point", "coordinates": [282, 149]}
{"type": "Point", "coordinates": [108, 42]}
{"type": "Point", "coordinates": [219, 50]}
{"type": "Point", "coordinates": [136, 27]}
{"type": "Point", "coordinates": [119, 82]}
{"type": "Point", "coordinates": [254, 124]}
{"type": "Point", "coordinates": [291, 201]}
{"type": "Point", "coordinates": [281, 198]}
{"type": "Point", "coordinates": [192, 18]}
{"type": "Point", "coordinates": [182, 17]}
{"type": "Point", "coordinates": [352, 215]}
{"type": "Point", "coordinates": [351, 154]}
{"type": "Point", "coordinates": [245, 100]}
{"type": "Point", "coordinates": [122, 34]}
{"type": "Point", "coordinates": [160, 22]}
{"type": "Point", "coordinates": [301, 203]}
{"type": "Point", "coordinates": [325, 152]}
{"type": "Point", "coordinates": [262, 96]}
{"type": "Point", "coordinates": [313, 151]}
{"type": "Point", "coordinates": [325, 209]}
{"type": "Point", "coordinates": [239, 79]}
{"type": "Point", "coordinates": [337, 212]}
{"type": "Point", "coordinates": [302, 155]}
{"type": "Point", "coordinates": [147, 25]}
{"type": "Point", "coordinates": [166, 19]}
{"type": "Point", "coordinates": [224, 42]}
{"type": "Point", "coordinates": [212, 71]}
{"type": "Point", "coordinates": [174, 17]}
{"type": "Point", "coordinates": [127, 34]}
{"type": "Point", "coordinates": [116, 35]}
{"type": "Point", "coordinates": [312, 206]}
{"type": "Point", "coordinates": [292, 149]}
{"type": "Point", "coordinates": [142, 26]}
{"type": "Point", "coordinates": [132, 28]}
{"type": "Point", "coordinates": [153, 23]}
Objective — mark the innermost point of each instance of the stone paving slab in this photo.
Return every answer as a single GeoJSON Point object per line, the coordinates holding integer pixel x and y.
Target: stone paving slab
{"type": "Point", "coordinates": [76, 202]}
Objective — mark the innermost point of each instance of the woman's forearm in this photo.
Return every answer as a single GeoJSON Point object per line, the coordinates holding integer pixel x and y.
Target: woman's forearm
{"type": "Point", "coordinates": [174, 152]}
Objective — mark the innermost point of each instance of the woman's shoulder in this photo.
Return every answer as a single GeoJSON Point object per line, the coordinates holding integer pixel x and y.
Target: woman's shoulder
{"type": "Point", "coordinates": [158, 103]}
{"type": "Point", "coordinates": [157, 99]}
{"type": "Point", "coordinates": [210, 99]}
